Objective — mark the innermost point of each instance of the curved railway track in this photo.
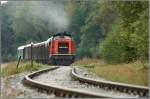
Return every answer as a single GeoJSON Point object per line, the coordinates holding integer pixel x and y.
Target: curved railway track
{"type": "Point", "coordinates": [141, 91]}
{"type": "Point", "coordinates": [47, 80]}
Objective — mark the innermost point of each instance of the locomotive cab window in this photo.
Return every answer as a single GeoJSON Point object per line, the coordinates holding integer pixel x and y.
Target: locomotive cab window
{"type": "Point", "coordinates": [63, 48]}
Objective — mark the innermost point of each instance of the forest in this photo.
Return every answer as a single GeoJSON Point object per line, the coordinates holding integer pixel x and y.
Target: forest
{"type": "Point", "coordinates": [116, 31]}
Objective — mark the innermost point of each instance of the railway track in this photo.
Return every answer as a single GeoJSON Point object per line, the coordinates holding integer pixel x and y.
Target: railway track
{"type": "Point", "coordinates": [60, 81]}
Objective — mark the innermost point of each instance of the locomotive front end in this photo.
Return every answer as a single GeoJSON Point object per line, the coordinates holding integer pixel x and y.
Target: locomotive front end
{"type": "Point", "coordinates": [62, 49]}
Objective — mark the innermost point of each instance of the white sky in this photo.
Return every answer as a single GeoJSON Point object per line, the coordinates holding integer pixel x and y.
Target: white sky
{"type": "Point", "coordinates": [3, 2]}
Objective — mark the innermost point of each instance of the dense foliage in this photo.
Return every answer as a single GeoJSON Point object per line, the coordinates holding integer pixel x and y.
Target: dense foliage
{"type": "Point", "coordinates": [128, 40]}
{"type": "Point", "coordinates": [114, 30]}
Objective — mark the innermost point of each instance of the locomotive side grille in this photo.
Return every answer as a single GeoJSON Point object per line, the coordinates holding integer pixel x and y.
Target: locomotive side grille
{"type": "Point", "coordinates": [63, 48]}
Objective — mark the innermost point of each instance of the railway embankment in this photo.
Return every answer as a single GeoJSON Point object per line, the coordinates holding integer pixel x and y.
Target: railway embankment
{"type": "Point", "coordinates": [11, 81]}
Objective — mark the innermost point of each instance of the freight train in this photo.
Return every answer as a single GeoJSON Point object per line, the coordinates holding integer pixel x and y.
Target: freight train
{"type": "Point", "coordinates": [57, 50]}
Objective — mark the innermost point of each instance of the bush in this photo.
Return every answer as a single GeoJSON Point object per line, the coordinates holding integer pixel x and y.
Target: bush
{"type": "Point", "coordinates": [11, 69]}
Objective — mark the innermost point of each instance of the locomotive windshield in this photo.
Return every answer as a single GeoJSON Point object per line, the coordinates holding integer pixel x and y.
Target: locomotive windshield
{"type": "Point", "coordinates": [66, 37]}
{"type": "Point", "coordinates": [62, 34]}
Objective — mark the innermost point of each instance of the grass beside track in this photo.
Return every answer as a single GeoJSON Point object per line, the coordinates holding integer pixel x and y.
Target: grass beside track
{"type": "Point", "coordinates": [131, 73]}
{"type": "Point", "coordinates": [11, 69]}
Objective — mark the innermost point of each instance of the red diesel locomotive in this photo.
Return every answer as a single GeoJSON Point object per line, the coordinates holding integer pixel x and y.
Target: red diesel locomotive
{"type": "Point", "coordinates": [57, 50]}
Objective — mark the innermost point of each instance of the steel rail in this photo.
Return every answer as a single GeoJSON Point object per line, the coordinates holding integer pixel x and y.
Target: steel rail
{"type": "Point", "coordinates": [59, 90]}
{"type": "Point", "coordinates": [142, 91]}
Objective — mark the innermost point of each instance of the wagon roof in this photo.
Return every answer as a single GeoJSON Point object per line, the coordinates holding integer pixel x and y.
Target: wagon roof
{"type": "Point", "coordinates": [35, 44]}
{"type": "Point", "coordinates": [41, 43]}
{"type": "Point", "coordinates": [21, 47]}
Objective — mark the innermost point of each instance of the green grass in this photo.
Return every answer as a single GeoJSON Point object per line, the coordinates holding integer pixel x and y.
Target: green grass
{"type": "Point", "coordinates": [11, 69]}
{"type": "Point", "coordinates": [131, 73]}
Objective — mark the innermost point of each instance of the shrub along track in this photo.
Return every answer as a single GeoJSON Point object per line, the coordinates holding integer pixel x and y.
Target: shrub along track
{"type": "Point", "coordinates": [36, 80]}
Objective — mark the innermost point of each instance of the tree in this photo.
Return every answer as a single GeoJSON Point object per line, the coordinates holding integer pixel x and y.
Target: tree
{"type": "Point", "coordinates": [128, 41]}
{"type": "Point", "coordinates": [78, 11]}
{"type": "Point", "coordinates": [7, 35]}
{"type": "Point", "coordinates": [97, 25]}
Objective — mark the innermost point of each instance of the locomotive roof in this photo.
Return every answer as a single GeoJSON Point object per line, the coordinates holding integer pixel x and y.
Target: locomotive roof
{"type": "Point", "coordinates": [62, 34]}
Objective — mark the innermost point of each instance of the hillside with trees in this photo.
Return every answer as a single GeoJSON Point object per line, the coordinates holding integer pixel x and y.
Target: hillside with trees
{"type": "Point", "coordinates": [116, 31]}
